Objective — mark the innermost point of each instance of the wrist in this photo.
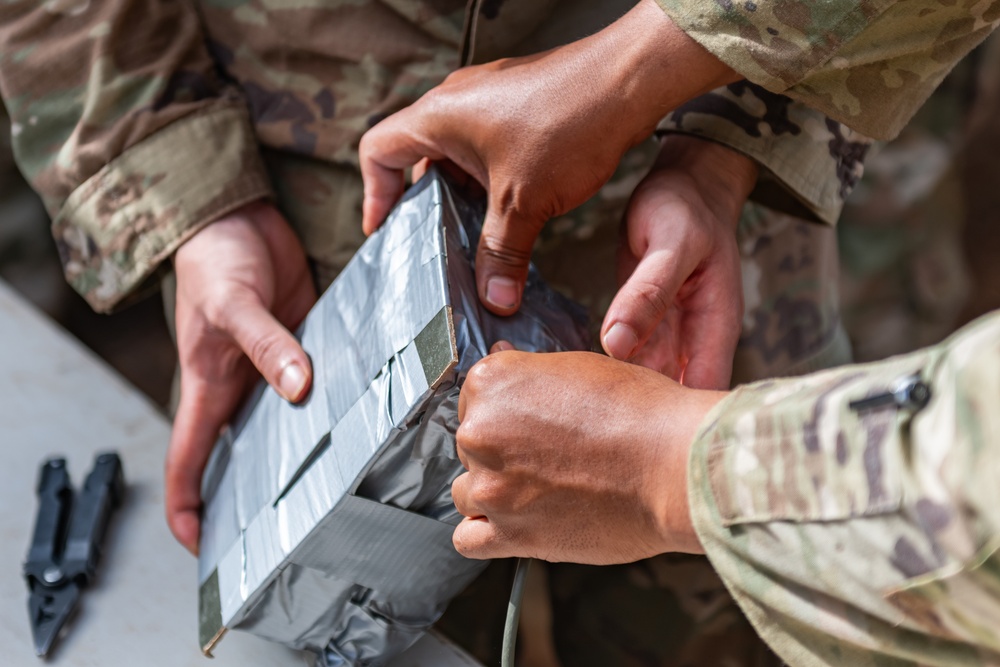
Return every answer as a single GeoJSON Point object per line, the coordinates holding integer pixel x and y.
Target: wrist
{"type": "Point", "coordinates": [670, 498]}
{"type": "Point", "coordinates": [725, 176]}
{"type": "Point", "coordinates": [660, 66]}
{"type": "Point", "coordinates": [243, 212]}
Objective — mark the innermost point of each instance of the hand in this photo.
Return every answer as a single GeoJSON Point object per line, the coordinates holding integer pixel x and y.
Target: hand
{"type": "Point", "coordinates": [541, 134]}
{"type": "Point", "coordinates": [242, 283]}
{"type": "Point", "coordinates": [574, 457]}
{"type": "Point", "coordinates": [680, 308]}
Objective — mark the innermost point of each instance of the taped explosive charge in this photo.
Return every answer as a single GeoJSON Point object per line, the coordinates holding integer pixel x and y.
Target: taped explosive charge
{"type": "Point", "coordinates": [327, 525]}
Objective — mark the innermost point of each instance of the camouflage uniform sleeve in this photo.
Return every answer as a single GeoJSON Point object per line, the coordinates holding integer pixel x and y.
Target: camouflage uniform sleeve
{"type": "Point", "coordinates": [869, 65]}
{"type": "Point", "coordinates": [122, 123]}
{"type": "Point", "coordinates": [810, 162]}
{"type": "Point", "coordinates": [863, 536]}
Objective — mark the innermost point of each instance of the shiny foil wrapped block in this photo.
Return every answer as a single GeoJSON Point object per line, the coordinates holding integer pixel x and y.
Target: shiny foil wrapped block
{"type": "Point", "coordinates": [327, 525]}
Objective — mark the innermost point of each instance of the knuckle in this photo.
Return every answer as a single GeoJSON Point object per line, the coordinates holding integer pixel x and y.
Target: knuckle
{"type": "Point", "coordinates": [263, 349]}
{"type": "Point", "coordinates": [484, 373]}
{"type": "Point", "coordinates": [469, 435]}
{"type": "Point", "coordinates": [700, 237]}
{"type": "Point", "coordinates": [217, 309]}
{"type": "Point", "coordinates": [222, 304]}
{"type": "Point", "coordinates": [491, 493]}
{"type": "Point", "coordinates": [650, 299]}
{"type": "Point", "coordinates": [497, 250]}
{"type": "Point", "coordinates": [455, 76]}
{"type": "Point", "coordinates": [521, 202]}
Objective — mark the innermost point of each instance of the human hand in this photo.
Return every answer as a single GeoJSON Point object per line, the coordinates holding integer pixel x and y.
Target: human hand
{"type": "Point", "coordinates": [680, 308]}
{"type": "Point", "coordinates": [575, 457]}
{"type": "Point", "coordinates": [242, 284]}
{"type": "Point", "coordinates": [541, 134]}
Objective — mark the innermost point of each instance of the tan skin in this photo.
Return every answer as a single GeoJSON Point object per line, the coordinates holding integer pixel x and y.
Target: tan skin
{"type": "Point", "coordinates": [600, 475]}
{"type": "Point", "coordinates": [541, 134]}
{"type": "Point", "coordinates": [597, 477]}
{"type": "Point", "coordinates": [527, 127]}
{"type": "Point", "coordinates": [680, 306]}
{"type": "Point", "coordinates": [234, 311]}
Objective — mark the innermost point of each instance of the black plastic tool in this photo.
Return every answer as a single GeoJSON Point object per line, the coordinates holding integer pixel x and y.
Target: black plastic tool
{"type": "Point", "coordinates": [66, 545]}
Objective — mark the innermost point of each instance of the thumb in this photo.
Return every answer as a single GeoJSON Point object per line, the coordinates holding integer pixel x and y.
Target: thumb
{"type": "Point", "coordinates": [275, 352]}
{"type": "Point", "coordinates": [642, 302]}
{"type": "Point", "coordinates": [502, 346]}
{"type": "Point", "coordinates": [203, 409]}
{"type": "Point", "coordinates": [502, 259]}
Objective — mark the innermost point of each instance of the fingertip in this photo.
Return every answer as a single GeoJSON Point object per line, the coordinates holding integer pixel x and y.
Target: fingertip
{"type": "Point", "coordinates": [186, 529]}
{"type": "Point", "coordinates": [502, 346]}
{"type": "Point", "coordinates": [294, 381]}
{"type": "Point", "coordinates": [502, 295]}
{"type": "Point", "coordinates": [373, 213]}
{"type": "Point", "coordinates": [420, 168]}
{"type": "Point", "coordinates": [620, 341]}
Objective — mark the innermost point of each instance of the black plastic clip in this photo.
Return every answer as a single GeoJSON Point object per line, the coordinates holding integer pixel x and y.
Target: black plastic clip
{"type": "Point", "coordinates": [910, 393]}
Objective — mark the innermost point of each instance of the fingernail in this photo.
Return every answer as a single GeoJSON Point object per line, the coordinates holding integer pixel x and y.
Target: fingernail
{"type": "Point", "coordinates": [501, 292]}
{"type": "Point", "coordinates": [620, 341]}
{"type": "Point", "coordinates": [503, 346]}
{"type": "Point", "coordinates": [292, 381]}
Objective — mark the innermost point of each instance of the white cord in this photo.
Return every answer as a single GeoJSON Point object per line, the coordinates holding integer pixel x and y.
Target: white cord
{"type": "Point", "coordinates": [514, 613]}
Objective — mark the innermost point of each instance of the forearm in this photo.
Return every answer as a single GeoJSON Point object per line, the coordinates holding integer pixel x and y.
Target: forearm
{"type": "Point", "coordinates": [657, 67]}
{"type": "Point", "coordinates": [725, 176]}
{"type": "Point", "coordinates": [123, 126]}
{"type": "Point", "coordinates": [846, 533]}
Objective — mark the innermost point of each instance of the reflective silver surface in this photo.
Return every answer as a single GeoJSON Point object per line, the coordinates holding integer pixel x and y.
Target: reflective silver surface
{"type": "Point", "coordinates": [327, 525]}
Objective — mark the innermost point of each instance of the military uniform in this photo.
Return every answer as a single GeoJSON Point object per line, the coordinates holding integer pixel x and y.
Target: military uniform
{"type": "Point", "coordinates": [141, 121]}
{"type": "Point", "coordinates": [152, 118]}
{"type": "Point", "coordinates": [857, 529]}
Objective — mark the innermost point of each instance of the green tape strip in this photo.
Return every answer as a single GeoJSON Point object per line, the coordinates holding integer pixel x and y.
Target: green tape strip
{"type": "Point", "coordinates": [210, 628]}
{"type": "Point", "coordinates": [436, 347]}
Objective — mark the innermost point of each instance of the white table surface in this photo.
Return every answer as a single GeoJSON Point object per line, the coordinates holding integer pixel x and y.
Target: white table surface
{"type": "Point", "coordinates": [57, 398]}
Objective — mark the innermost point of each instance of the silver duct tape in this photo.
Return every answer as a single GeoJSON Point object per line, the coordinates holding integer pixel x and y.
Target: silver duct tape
{"type": "Point", "coordinates": [327, 525]}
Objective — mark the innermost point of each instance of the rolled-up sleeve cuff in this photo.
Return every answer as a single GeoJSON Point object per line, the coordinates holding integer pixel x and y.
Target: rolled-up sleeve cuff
{"type": "Point", "coordinates": [774, 44]}
{"type": "Point", "coordinates": [804, 502]}
{"type": "Point", "coordinates": [810, 162]}
{"type": "Point", "coordinates": [116, 229]}
{"type": "Point", "coordinates": [867, 64]}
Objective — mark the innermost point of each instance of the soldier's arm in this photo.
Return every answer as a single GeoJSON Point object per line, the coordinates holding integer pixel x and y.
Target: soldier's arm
{"type": "Point", "coordinates": [864, 534]}
{"type": "Point", "coordinates": [810, 162]}
{"type": "Point", "coordinates": [123, 124]}
{"type": "Point", "coordinates": [867, 64]}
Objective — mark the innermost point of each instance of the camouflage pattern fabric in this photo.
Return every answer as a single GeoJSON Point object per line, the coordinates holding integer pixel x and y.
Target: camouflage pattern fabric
{"type": "Point", "coordinates": [140, 121]}
{"type": "Point", "coordinates": [869, 65]}
{"type": "Point", "coordinates": [862, 537]}
{"type": "Point", "coordinates": [253, 99]}
{"type": "Point", "coordinates": [674, 611]}
{"type": "Point", "coordinates": [780, 135]}
{"type": "Point", "coordinates": [902, 282]}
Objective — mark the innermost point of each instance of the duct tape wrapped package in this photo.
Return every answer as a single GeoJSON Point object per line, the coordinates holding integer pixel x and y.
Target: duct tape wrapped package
{"type": "Point", "coordinates": [327, 525]}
